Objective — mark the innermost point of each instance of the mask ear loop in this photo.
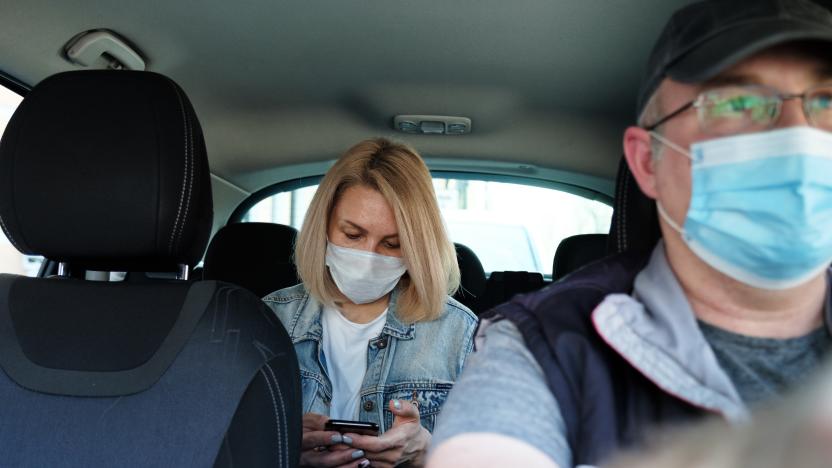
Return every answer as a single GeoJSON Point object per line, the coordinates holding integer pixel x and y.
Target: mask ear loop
{"type": "Point", "coordinates": [670, 144]}
{"type": "Point", "coordinates": [659, 207]}
{"type": "Point", "coordinates": [669, 221]}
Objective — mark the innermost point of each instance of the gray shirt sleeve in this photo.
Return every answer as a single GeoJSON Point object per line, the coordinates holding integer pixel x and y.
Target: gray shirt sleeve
{"type": "Point", "coordinates": [502, 390]}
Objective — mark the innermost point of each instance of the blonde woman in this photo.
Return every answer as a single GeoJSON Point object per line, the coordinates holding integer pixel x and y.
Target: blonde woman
{"type": "Point", "coordinates": [376, 333]}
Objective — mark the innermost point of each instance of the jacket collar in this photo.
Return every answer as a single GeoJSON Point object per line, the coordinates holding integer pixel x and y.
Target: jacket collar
{"type": "Point", "coordinates": [306, 323]}
{"type": "Point", "coordinates": [656, 331]}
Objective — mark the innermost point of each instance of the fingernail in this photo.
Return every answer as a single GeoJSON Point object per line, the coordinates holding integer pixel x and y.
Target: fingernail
{"type": "Point", "coordinates": [337, 439]}
{"type": "Point", "coordinates": [347, 440]}
{"type": "Point", "coordinates": [397, 404]}
{"type": "Point", "coordinates": [364, 464]}
{"type": "Point", "coordinates": [357, 454]}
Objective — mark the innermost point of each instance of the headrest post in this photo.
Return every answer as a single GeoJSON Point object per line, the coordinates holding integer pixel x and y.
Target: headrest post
{"type": "Point", "coordinates": [63, 269]}
{"type": "Point", "coordinates": [184, 271]}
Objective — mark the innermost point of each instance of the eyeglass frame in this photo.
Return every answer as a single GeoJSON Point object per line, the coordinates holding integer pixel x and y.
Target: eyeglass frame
{"type": "Point", "coordinates": [780, 99]}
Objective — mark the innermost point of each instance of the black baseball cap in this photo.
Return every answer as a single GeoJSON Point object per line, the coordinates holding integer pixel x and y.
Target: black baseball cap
{"type": "Point", "coordinates": [704, 38]}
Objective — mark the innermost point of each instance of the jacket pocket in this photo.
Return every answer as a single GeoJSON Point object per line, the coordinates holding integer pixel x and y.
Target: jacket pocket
{"type": "Point", "coordinates": [428, 396]}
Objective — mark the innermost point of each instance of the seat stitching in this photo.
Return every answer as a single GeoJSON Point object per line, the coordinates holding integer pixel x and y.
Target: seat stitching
{"type": "Point", "coordinates": [285, 441]}
{"type": "Point", "coordinates": [192, 169]}
{"type": "Point", "coordinates": [185, 170]}
{"type": "Point", "coordinates": [617, 211]}
{"type": "Point", "coordinates": [274, 406]}
{"type": "Point", "coordinates": [624, 218]}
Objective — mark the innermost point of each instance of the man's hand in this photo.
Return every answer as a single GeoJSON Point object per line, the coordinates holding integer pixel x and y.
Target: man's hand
{"type": "Point", "coordinates": [326, 449]}
{"type": "Point", "coordinates": [406, 440]}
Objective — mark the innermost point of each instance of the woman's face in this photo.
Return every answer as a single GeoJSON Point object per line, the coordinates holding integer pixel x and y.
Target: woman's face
{"type": "Point", "coordinates": [363, 220]}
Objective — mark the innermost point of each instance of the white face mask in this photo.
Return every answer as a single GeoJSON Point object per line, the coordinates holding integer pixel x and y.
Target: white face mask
{"type": "Point", "coordinates": [362, 276]}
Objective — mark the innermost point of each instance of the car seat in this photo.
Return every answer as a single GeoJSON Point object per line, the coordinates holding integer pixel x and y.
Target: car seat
{"type": "Point", "coordinates": [256, 256]}
{"type": "Point", "coordinates": [577, 251]}
{"type": "Point", "coordinates": [472, 279]}
{"type": "Point", "coordinates": [107, 171]}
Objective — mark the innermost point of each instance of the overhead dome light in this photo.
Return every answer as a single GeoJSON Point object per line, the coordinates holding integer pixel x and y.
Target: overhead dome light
{"type": "Point", "coordinates": [432, 124]}
{"type": "Point", "coordinates": [103, 49]}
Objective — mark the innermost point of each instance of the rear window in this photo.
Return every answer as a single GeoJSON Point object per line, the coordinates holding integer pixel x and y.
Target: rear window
{"type": "Point", "coordinates": [12, 261]}
{"type": "Point", "coordinates": [510, 226]}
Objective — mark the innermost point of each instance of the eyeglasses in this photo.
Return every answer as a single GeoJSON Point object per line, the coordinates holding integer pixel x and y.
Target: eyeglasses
{"type": "Point", "coordinates": [736, 109]}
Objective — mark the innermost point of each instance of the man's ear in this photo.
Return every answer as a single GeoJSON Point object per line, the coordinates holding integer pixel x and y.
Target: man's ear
{"type": "Point", "coordinates": [639, 153]}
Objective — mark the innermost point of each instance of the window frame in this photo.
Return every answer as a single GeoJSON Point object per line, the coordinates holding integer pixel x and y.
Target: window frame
{"type": "Point", "coordinates": [13, 84]}
{"type": "Point", "coordinates": [239, 213]}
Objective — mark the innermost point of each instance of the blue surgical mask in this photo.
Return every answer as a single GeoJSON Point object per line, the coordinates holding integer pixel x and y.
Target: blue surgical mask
{"type": "Point", "coordinates": [761, 205]}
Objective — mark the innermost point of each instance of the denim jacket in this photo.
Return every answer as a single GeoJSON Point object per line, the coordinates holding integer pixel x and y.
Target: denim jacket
{"type": "Point", "coordinates": [415, 362]}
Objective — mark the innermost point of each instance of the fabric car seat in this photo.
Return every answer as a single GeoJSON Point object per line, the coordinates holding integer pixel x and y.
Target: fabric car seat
{"type": "Point", "coordinates": [107, 171]}
{"type": "Point", "coordinates": [471, 278]}
{"type": "Point", "coordinates": [635, 223]}
{"type": "Point", "coordinates": [256, 256]}
{"type": "Point", "coordinates": [577, 251]}
{"type": "Point", "coordinates": [503, 285]}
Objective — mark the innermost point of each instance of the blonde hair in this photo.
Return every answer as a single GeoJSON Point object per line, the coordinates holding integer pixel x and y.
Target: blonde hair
{"type": "Point", "coordinates": [397, 172]}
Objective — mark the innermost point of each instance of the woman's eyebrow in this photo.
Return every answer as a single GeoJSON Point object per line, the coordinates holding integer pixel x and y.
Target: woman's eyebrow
{"type": "Point", "coordinates": [364, 231]}
{"type": "Point", "coordinates": [352, 224]}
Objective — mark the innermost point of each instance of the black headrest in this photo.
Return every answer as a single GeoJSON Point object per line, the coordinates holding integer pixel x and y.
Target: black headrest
{"type": "Point", "coordinates": [472, 276]}
{"type": "Point", "coordinates": [577, 251]}
{"type": "Point", "coordinates": [256, 256]}
{"type": "Point", "coordinates": [106, 170]}
{"type": "Point", "coordinates": [635, 224]}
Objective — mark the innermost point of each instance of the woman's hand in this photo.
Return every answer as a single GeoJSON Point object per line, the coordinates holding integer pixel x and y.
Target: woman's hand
{"type": "Point", "coordinates": [406, 440]}
{"type": "Point", "coordinates": [326, 449]}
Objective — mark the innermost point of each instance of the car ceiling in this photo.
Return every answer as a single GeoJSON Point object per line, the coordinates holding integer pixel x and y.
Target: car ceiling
{"type": "Point", "coordinates": [546, 83]}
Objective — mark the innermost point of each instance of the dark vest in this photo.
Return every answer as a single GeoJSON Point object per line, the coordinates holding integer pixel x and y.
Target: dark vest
{"type": "Point", "coordinates": [606, 403]}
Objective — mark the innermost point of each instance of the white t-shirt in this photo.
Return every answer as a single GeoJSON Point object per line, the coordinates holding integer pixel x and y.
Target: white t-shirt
{"type": "Point", "coordinates": [345, 347]}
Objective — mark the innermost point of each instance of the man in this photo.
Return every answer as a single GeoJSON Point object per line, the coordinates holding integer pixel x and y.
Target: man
{"type": "Point", "coordinates": [730, 309]}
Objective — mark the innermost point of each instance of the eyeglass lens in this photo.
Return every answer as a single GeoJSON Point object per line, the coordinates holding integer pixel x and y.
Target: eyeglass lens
{"type": "Point", "coordinates": [738, 109]}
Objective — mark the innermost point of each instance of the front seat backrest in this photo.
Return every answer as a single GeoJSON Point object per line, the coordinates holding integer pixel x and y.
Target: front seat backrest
{"type": "Point", "coordinates": [256, 256]}
{"type": "Point", "coordinates": [577, 251]}
{"type": "Point", "coordinates": [107, 170]}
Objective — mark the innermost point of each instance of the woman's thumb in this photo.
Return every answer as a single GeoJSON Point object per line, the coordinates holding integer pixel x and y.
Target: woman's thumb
{"type": "Point", "coordinates": [403, 411]}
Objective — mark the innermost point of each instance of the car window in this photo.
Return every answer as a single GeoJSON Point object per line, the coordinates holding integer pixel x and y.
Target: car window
{"type": "Point", "coordinates": [12, 261]}
{"type": "Point", "coordinates": [510, 226]}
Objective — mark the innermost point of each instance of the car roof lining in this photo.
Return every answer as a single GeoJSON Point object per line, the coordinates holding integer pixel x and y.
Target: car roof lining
{"type": "Point", "coordinates": [546, 83]}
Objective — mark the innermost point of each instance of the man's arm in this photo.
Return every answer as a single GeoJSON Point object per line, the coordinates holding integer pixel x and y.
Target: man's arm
{"type": "Point", "coordinates": [483, 449]}
{"type": "Point", "coordinates": [500, 409]}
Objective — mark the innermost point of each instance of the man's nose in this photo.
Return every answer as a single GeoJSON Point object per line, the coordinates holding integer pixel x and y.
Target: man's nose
{"type": "Point", "coordinates": [791, 114]}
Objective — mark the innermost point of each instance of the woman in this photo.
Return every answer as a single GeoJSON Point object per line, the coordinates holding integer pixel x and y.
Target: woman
{"type": "Point", "coordinates": [377, 336]}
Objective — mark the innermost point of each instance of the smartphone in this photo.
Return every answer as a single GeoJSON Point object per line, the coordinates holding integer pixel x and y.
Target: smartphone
{"type": "Point", "coordinates": [356, 427]}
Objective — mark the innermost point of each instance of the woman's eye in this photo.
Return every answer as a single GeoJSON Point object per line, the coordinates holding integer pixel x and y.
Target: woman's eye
{"type": "Point", "coordinates": [391, 245]}
{"type": "Point", "coordinates": [352, 236]}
